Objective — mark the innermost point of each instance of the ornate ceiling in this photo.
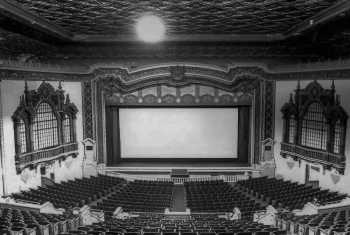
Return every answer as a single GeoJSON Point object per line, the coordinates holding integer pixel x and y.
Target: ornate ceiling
{"type": "Point", "coordinates": [66, 30]}
{"type": "Point", "coordinates": [109, 20]}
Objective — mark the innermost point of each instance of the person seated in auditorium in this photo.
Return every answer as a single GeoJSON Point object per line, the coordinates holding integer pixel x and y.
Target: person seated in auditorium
{"type": "Point", "coordinates": [120, 214]}
{"type": "Point", "coordinates": [235, 215]}
{"type": "Point", "coordinates": [316, 202]}
{"type": "Point", "coordinates": [271, 211]}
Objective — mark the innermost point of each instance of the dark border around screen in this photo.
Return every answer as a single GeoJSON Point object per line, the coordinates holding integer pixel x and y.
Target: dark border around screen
{"type": "Point", "coordinates": [113, 138]}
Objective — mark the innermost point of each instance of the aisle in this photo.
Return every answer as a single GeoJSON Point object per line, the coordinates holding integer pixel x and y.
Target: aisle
{"type": "Point", "coordinates": [179, 201]}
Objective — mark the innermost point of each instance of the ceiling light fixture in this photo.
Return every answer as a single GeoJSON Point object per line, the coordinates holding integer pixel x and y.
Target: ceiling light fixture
{"type": "Point", "coordinates": [150, 28]}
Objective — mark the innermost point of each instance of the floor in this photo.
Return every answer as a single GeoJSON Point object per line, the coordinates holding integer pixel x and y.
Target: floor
{"type": "Point", "coordinates": [179, 198]}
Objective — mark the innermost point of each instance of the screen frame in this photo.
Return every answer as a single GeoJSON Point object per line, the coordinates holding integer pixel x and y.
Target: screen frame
{"type": "Point", "coordinates": [113, 143]}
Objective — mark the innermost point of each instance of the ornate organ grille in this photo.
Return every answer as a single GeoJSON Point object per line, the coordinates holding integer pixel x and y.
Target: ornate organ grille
{"type": "Point", "coordinates": [45, 128]}
{"type": "Point", "coordinates": [21, 136]}
{"type": "Point", "coordinates": [315, 126]}
{"type": "Point", "coordinates": [67, 126]}
{"type": "Point", "coordinates": [338, 136]}
{"type": "Point", "coordinates": [314, 131]}
{"type": "Point", "coordinates": [292, 129]}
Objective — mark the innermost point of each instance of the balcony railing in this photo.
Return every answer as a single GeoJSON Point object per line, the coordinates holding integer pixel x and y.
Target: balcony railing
{"type": "Point", "coordinates": [323, 157]}
{"type": "Point", "coordinates": [26, 159]}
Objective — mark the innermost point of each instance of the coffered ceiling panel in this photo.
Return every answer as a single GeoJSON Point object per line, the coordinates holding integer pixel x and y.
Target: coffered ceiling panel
{"type": "Point", "coordinates": [185, 17]}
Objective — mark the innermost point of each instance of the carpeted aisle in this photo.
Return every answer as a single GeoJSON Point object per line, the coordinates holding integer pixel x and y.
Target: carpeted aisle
{"type": "Point", "coordinates": [179, 201]}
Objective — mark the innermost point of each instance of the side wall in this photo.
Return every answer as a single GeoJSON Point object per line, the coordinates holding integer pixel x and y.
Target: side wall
{"type": "Point", "coordinates": [68, 169]}
{"type": "Point", "coordinates": [295, 170]}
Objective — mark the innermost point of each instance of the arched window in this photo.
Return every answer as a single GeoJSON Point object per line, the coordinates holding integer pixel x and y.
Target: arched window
{"type": "Point", "coordinates": [314, 131]}
{"type": "Point", "coordinates": [21, 136]}
{"type": "Point", "coordinates": [45, 128]}
{"type": "Point", "coordinates": [292, 129]}
{"type": "Point", "coordinates": [67, 129]}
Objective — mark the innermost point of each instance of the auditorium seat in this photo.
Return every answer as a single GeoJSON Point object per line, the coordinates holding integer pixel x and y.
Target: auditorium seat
{"type": "Point", "coordinates": [140, 196]}
{"type": "Point", "coordinates": [15, 221]}
{"type": "Point", "coordinates": [73, 193]}
{"type": "Point", "coordinates": [262, 233]}
{"type": "Point", "coordinates": [148, 199]}
{"type": "Point", "coordinates": [289, 195]}
{"type": "Point", "coordinates": [333, 221]}
{"type": "Point", "coordinates": [173, 226]}
{"type": "Point", "coordinates": [151, 233]}
{"type": "Point", "coordinates": [218, 196]}
{"type": "Point", "coordinates": [206, 233]}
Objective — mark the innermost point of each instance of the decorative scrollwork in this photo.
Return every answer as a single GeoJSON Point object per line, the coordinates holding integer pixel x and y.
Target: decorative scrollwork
{"type": "Point", "coordinates": [44, 113]}
{"type": "Point", "coordinates": [315, 126]}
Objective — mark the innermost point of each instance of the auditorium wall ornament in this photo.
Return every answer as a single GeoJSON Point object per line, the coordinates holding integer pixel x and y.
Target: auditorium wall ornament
{"type": "Point", "coordinates": [315, 126]}
{"type": "Point", "coordinates": [44, 126]}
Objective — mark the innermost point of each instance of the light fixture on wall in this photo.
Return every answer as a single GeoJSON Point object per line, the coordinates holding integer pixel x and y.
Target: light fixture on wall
{"type": "Point", "coordinates": [150, 28]}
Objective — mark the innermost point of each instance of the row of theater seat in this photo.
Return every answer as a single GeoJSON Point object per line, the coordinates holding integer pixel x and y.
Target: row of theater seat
{"type": "Point", "coordinates": [152, 224]}
{"type": "Point", "coordinates": [329, 223]}
{"type": "Point", "coordinates": [15, 221]}
{"type": "Point", "coordinates": [287, 194]}
{"type": "Point", "coordinates": [216, 196]}
{"type": "Point", "coordinates": [73, 193]}
{"type": "Point", "coordinates": [141, 196]}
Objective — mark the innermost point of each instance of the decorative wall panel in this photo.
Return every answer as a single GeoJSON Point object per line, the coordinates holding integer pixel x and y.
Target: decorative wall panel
{"type": "Point", "coordinates": [269, 98]}
{"type": "Point", "coordinates": [87, 110]}
{"type": "Point", "coordinates": [258, 101]}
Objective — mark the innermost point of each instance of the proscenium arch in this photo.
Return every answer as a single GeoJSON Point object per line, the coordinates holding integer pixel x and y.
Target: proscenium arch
{"type": "Point", "coordinates": [125, 81]}
{"type": "Point", "coordinates": [109, 80]}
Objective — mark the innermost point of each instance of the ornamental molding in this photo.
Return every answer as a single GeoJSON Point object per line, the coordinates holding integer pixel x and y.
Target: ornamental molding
{"type": "Point", "coordinates": [191, 95]}
{"type": "Point", "coordinates": [59, 102]}
{"type": "Point", "coordinates": [178, 72]}
{"type": "Point", "coordinates": [124, 81]}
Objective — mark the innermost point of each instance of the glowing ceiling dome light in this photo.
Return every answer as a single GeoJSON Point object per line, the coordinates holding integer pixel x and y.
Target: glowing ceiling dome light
{"type": "Point", "coordinates": [150, 28]}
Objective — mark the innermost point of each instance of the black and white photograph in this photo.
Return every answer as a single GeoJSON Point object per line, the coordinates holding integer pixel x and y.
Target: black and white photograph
{"type": "Point", "coordinates": [174, 117]}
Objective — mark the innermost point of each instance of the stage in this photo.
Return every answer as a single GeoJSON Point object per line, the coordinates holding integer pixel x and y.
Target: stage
{"type": "Point", "coordinates": [193, 167]}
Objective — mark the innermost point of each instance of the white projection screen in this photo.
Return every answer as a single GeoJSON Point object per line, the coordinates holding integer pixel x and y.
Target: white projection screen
{"type": "Point", "coordinates": [178, 132]}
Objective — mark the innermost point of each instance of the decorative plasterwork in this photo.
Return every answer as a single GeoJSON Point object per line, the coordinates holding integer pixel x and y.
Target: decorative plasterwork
{"type": "Point", "coordinates": [26, 112]}
{"type": "Point", "coordinates": [45, 93]}
{"type": "Point", "coordinates": [123, 81]}
{"type": "Point", "coordinates": [87, 20]}
{"type": "Point", "coordinates": [28, 74]}
{"type": "Point", "coordinates": [269, 112]}
{"type": "Point", "coordinates": [87, 109]}
{"type": "Point", "coordinates": [189, 95]}
{"type": "Point", "coordinates": [225, 74]}
{"type": "Point", "coordinates": [297, 110]}
{"type": "Point", "coordinates": [178, 85]}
